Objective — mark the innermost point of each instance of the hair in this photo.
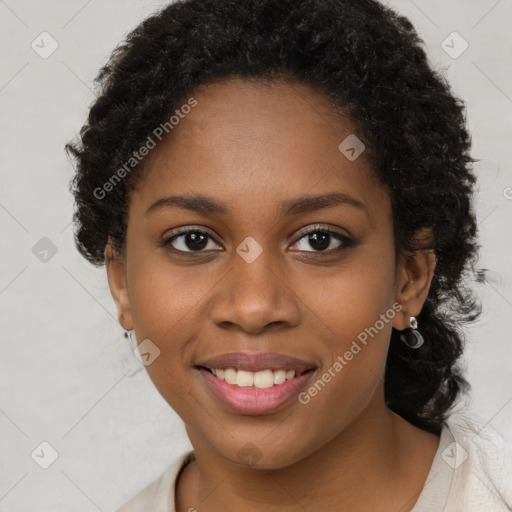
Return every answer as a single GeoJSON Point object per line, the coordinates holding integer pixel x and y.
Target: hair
{"type": "Point", "coordinates": [366, 59]}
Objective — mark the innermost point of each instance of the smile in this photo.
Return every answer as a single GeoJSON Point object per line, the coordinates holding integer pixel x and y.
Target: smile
{"type": "Point", "coordinates": [255, 382]}
{"type": "Point", "coordinates": [261, 380]}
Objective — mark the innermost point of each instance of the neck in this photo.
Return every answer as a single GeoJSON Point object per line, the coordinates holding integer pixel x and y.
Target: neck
{"type": "Point", "coordinates": [379, 462]}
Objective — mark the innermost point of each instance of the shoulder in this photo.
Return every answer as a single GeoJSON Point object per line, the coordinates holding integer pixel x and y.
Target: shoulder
{"type": "Point", "coordinates": [158, 496]}
{"type": "Point", "coordinates": [482, 462]}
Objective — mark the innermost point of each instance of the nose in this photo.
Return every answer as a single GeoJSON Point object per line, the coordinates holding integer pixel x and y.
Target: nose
{"type": "Point", "coordinates": [255, 297]}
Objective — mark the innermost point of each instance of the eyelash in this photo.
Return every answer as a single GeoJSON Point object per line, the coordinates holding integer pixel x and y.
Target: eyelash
{"type": "Point", "coordinates": [346, 242]}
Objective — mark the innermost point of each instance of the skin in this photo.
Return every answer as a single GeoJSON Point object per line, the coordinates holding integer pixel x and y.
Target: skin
{"type": "Point", "coordinates": [251, 146]}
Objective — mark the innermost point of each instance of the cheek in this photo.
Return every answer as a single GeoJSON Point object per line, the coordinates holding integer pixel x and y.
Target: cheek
{"type": "Point", "coordinates": [164, 296]}
{"type": "Point", "coordinates": [351, 297]}
{"type": "Point", "coordinates": [355, 307]}
{"type": "Point", "coordinates": [164, 303]}
{"type": "Point", "coordinates": [354, 370]}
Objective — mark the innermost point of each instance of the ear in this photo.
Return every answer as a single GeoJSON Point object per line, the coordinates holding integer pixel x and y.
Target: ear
{"type": "Point", "coordinates": [115, 266]}
{"type": "Point", "coordinates": [414, 276]}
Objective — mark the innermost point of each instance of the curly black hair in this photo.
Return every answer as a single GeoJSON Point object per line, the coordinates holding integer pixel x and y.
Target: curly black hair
{"type": "Point", "coordinates": [369, 61]}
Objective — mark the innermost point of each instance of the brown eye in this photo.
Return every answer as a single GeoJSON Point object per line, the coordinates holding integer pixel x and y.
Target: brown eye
{"type": "Point", "coordinates": [188, 241]}
{"type": "Point", "coordinates": [324, 240]}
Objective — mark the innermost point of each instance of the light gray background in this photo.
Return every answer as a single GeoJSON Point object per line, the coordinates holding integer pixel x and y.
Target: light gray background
{"type": "Point", "coordinates": [64, 366]}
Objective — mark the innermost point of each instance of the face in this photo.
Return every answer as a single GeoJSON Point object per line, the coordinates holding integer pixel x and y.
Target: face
{"type": "Point", "coordinates": [258, 269]}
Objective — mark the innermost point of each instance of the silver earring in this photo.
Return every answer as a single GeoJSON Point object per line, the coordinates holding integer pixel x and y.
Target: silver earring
{"type": "Point", "coordinates": [128, 334]}
{"type": "Point", "coordinates": [410, 336]}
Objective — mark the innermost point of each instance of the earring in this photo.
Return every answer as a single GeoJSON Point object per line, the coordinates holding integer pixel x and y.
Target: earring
{"type": "Point", "coordinates": [410, 336]}
{"type": "Point", "coordinates": [126, 334]}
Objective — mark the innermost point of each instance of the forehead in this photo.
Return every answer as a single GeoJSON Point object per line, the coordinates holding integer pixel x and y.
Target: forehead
{"type": "Point", "coordinates": [248, 113]}
{"type": "Point", "coordinates": [256, 143]}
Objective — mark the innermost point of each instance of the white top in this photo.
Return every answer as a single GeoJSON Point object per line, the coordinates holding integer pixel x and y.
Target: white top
{"type": "Point", "coordinates": [471, 472]}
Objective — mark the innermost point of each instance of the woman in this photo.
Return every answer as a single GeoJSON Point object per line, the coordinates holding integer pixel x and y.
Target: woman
{"type": "Point", "coordinates": [281, 194]}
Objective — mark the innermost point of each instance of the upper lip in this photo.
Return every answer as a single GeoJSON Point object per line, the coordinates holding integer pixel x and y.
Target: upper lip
{"type": "Point", "coordinates": [257, 361]}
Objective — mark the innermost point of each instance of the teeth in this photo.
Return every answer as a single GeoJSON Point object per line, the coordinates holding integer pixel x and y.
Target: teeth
{"type": "Point", "coordinates": [290, 374]}
{"type": "Point", "coordinates": [262, 379]}
{"type": "Point", "coordinates": [230, 375]}
{"type": "Point", "coordinates": [279, 376]}
{"type": "Point", "coordinates": [244, 379]}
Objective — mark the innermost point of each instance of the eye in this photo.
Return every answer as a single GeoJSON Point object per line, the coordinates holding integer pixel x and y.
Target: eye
{"type": "Point", "coordinates": [321, 239]}
{"type": "Point", "coordinates": [189, 240]}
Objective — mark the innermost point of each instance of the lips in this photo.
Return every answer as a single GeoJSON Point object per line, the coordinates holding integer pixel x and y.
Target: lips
{"type": "Point", "coordinates": [255, 362]}
{"type": "Point", "coordinates": [265, 396]}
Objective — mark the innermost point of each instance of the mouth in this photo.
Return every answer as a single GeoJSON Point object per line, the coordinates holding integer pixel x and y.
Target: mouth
{"type": "Point", "coordinates": [262, 379]}
{"type": "Point", "coordinates": [254, 384]}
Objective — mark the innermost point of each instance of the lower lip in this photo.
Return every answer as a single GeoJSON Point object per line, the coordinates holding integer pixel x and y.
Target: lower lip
{"type": "Point", "coordinates": [252, 400]}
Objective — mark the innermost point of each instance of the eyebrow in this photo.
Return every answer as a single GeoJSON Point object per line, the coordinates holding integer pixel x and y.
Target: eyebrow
{"type": "Point", "coordinates": [289, 207]}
